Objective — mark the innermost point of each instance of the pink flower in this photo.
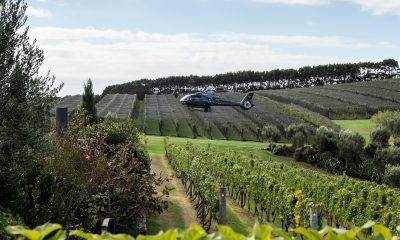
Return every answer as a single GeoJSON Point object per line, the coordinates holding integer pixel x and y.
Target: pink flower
{"type": "Point", "coordinates": [87, 157]}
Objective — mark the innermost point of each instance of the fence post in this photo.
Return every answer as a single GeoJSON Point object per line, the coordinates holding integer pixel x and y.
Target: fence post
{"type": "Point", "coordinates": [61, 120]}
{"type": "Point", "coordinates": [314, 218]}
{"type": "Point", "coordinates": [108, 225]}
{"type": "Point", "coordinates": [222, 206]}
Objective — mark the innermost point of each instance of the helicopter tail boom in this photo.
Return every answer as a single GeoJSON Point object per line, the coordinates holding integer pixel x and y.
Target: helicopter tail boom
{"type": "Point", "coordinates": [247, 102]}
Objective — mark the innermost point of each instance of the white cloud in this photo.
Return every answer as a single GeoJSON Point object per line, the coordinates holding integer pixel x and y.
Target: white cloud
{"type": "Point", "coordinates": [37, 12]}
{"type": "Point", "coordinates": [295, 2]}
{"type": "Point", "coordinates": [377, 7]}
{"type": "Point", "coordinates": [111, 56]}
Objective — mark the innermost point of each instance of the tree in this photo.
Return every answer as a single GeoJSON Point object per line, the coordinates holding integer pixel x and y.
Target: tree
{"type": "Point", "coordinates": [271, 133]}
{"type": "Point", "coordinates": [390, 120]}
{"type": "Point", "coordinates": [88, 102]}
{"type": "Point", "coordinates": [25, 100]}
{"type": "Point", "coordinates": [326, 139]}
{"type": "Point", "coordinates": [350, 147]}
{"type": "Point", "coordinates": [380, 136]}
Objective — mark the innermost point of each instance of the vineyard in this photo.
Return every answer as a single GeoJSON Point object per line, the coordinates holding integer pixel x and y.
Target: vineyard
{"type": "Point", "coordinates": [119, 105]}
{"type": "Point", "coordinates": [164, 115]}
{"type": "Point", "coordinates": [343, 101]}
{"type": "Point", "coordinates": [71, 102]}
{"type": "Point", "coordinates": [279, 192]}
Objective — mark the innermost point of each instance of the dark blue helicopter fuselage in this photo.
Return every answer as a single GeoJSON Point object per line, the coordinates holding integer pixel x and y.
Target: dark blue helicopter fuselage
{"type": "Point", "coordinates": [205, 100]}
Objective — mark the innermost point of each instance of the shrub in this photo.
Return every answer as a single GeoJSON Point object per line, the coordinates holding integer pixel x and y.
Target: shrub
{"type": "Point", "coordinates": [298, 155]}
{"type": "Point", "coordinates": [299, 139]}
{"type": "Point", "coordinates": [371, 149]}
{"type": "Point", "coordinates": [292, 129]}
{"type": "Point", "coordinates": [350, 147]}
{"type": "Point", "coordinates": [396, 142]}
{"type": "Point", "coordinates": [390, 120]}
{"type": "Point", "coordinates": [105, 172]}
{"type": "Point", "coordinates": [392, 176]}
{"type": "Point", "coordinates": [327, 161]}
{"type": "Point", "coordinates": [271, 133]}
{"type": "Point", "coordinates": [388, 156]}
{"type": "Point", "coordinates": [380, 136]}
{"type": "Point", "coordinates": [326, 140]}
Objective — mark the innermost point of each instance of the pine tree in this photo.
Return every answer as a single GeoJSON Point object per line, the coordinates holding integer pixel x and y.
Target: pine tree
{"type": "Point", "coordinates": [88, 102]}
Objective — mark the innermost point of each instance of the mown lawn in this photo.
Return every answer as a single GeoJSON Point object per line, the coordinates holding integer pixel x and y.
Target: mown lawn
{"type": "Point", "coordinates": [362, 127]}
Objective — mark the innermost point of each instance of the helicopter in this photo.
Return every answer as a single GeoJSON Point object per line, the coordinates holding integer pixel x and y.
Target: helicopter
{"type": "Point", "coordinates": [206, 100]}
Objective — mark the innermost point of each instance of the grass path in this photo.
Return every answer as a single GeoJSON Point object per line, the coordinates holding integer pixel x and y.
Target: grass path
{"type": "Point", "coordinates": [180, 213]}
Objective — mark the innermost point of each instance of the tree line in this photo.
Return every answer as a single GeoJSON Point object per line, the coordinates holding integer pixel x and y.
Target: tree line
{"type": "Point", "coordinates": [255, 80]}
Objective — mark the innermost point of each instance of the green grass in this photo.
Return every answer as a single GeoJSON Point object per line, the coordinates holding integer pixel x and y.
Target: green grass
{"type": "Point", "coordinates": [168, 127]}
{"type": "Point", "coordinates": [362, 127]}
{"type": "Point", "coordinates": [232, 134]}
{"type": "Point", "coordinates": [152, 127]}
{"type": "Point", "coordinates": [184, 129]}
{"type": "Point", "coordinates": [234, 222]}
{"type": "Point", "coordinates": [155, 145]}
{"type": "Point", "coordinates": [216, 133]}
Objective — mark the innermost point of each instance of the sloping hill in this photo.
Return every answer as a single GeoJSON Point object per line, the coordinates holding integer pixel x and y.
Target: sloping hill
{"type": "Point", "coordinates": [343, 101]}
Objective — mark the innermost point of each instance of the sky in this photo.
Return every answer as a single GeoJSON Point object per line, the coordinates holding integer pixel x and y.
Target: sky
{"type": "Point", "coordinates": [119, 41]}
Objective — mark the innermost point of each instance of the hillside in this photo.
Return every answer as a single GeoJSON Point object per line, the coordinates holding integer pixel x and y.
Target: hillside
{"type": "Point", "coordinates": [243, 81]}
{"type": "Point", "coordinates": [343, 101]}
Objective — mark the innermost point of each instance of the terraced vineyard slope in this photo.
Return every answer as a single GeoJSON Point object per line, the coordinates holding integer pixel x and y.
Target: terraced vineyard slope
{"type": "Point", "coordinates": [165, 115]}
{"type": "Point", "coordinates": [71, 102]}
{"type": "Point", "coordinates": [343, 101]}
{"type": "Point", "coordinates": [119, 105]}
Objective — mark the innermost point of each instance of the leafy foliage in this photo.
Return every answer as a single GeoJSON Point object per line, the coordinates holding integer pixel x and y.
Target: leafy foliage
{"type": "Point", "coordinates": [272, 188]}
{"type": "Point", "coordinates": [88, 102]}
{"type": "Point", "coordinates": [25, 100]}
{"type": "Point", "coordinates": [390, 120]}
{"type": "Point", "coordinates": [271, 133]}
{"type": "Point", "coordinates": [370, 230]}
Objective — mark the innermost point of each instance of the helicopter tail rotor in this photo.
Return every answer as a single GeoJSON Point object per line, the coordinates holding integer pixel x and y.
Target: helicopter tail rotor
{"type": "Point", "coordinates": [247, 102]}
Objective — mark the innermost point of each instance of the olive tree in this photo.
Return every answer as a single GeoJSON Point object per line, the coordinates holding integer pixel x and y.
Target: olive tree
{"type": "Point", "coordinates": [25, 101]}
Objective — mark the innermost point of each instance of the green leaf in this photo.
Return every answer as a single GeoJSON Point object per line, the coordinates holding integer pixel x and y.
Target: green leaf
{"type": "Point", "coordinates": [227, 233]}
{"type": "Point", "coordinates": [84, 235]}
{"type": "Point", "coordinates": [379, 229]}
{"type": "Point", "coordinates": [47, 228]}
{"type": "Point", "coordinates": [194, 232]}
{"type": "Point", "coordinates": [15, 230]}
{"type": "Point", "coordinates": [60, 235]}
{"type": "Point", "coordinates": [310, 234]}
{"type": "Point", "coordinates": [261, 231]}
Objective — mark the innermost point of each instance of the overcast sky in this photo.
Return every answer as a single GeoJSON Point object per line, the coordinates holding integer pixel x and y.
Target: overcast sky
{"type": "Point", "coordinates": [123, 40]}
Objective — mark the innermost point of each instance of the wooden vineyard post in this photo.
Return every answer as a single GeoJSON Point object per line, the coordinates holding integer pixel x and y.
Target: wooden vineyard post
{"type": "Point", "coordinates": [222, 206]}
{"type": "Point", "coordinates": [61, 120]}
{"type": "Point", "coordinates": [314, 218]}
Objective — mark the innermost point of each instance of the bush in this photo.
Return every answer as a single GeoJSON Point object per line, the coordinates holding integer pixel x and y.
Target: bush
{"type": "Point", "coordinates": [271, 133]}
{"type": "Point", "coordinates": [105, 172]}
{"type": "Point", "coordinates": [283, 150]}
{"type": "Point", "coordinates": [299, 139]}
{"type": "Point", "coordinates": [380, 136]}
{"type": "Point", "coordinates": [396, 142]}
{"type": "Point", "coordinates": [390, 120]}
{"type": "Point", "coordinates": [292, 129]}
{"type": "Point", "coordinates": [326, 140]}
{"type": "Point", "coordinates": [350, 147]}
{"type": "Point", "coordinates": [388, 156]}
{"type": "Point", "coordinates": [392, 176]}
{"type": "Point", "coordinates": [298, 155]}
{"type": "Point", "coordinates": [371, 149]}
{"type": "Point", "coordinates": [328, 162]}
